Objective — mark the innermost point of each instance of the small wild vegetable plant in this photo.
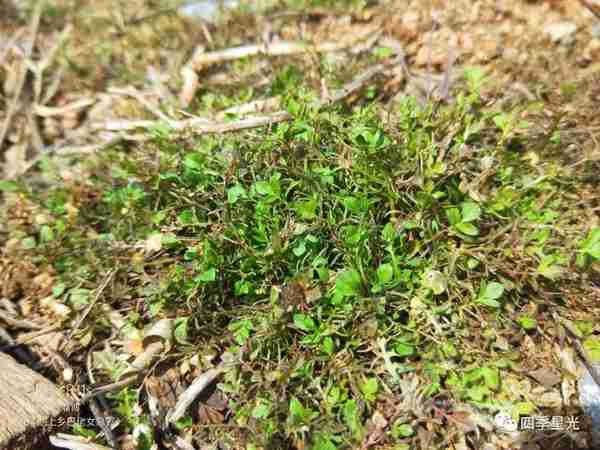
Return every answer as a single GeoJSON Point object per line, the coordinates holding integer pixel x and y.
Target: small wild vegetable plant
{"type": "Point", "coordinates": [400, 228]}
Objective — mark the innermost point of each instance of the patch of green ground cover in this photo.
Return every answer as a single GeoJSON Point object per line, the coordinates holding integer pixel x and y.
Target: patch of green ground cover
{"type": "Point", "coordinates": [417, 235]}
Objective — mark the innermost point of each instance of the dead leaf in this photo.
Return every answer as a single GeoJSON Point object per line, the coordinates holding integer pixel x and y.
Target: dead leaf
{"type": "Point", "coordinates": [207, 415]}
{"type": "Point", "coordinates": [546, 377]}
{"type": "Point", "coordinates": [153, 243]}
{"type": "Point", "coordinates": [567, 359]}
{"type": "Point", "coordinates": [134, 346]}
{"type": "Point", "coordinates": [551, 399]}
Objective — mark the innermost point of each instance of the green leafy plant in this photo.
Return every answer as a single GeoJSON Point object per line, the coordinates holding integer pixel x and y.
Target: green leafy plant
{"type": "Point", "coordinates": [348, 284]}
{"type": "Point", "coordinates": [527, 322]}
{"type": "Point", "coordinates": [299, 414]}
{"type": "Point", "coordinates": [592, 347]}
{"type": "Point", "coordinates": [477, 384]}
{"type": "Point", "coordinates": [489, 293]}
{"type": "Point", "coordinates": [590, 247]}
{"type": "Point", "coordinates": [394, 221]}
{"type": "Point", "coordinates": [462, 220]}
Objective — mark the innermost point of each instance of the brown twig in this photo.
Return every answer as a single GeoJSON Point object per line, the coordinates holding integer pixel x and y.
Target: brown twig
{"type": "Point", "coordinates": [253, 107]}
{"type": "Point", "coordinates": [99, 292]}
{"type": "Point", "coordinates": [19, 323]}
{"type": "Point", "coordinates": [22, 76]}
{"type": "Point", "coordinates": [200, 125]}
{"type": "Point", "coordinates": [28, 337]}
{"type": "Point", "coordinates": [111, 387]}
{"type": "Point", "coordinates": [200, 59]}
{"type": "Point", "coordinates": [586, 360]}
{"type": "Point", "coordinates": [5, 337]}
{"type": "Point", "coordinates": [132, 92]}
{"type": "Point", "coordinates": [190, 394]}
{"type": "Point", "coordinates": [71, 442]}
{"type": "Point", "coordinates": [21, 354]}
{"type": "Point", "coordinates": [76, 106]}
{"type": "Point", "coordinates": [196, 125]}
{"type": "Point", "coordinates": [39, 68]}
{"type": "Point", "coordinates": [360, 81]}
{"type": "Point", "coordinates": [590, 8]}
{"type": "Point", "coordinates": [103, 422]}
{"type": "Point", "coordinates": [579, 348]}
{"type": "Point", "coordinates": [9, 306]}
{"type": "Point", "coordinates": [9, 45]}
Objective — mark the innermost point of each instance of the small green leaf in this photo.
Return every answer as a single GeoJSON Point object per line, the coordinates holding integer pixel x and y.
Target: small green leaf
{"type": "Point", "coordinates": [46, 234]}
{"type": "Point", "coordinates": [328, 346]}
{"type": "Point", "coordinates": [293, 107]}
{"type": "Point", "coordinates": [304, 322]}
{"type": "Point", "coordinates": [385, 273]}
{"type": "Point", "coordinates": [467, 228]}
{"type": "Point", "coordinates": [264, 188]}
{"type": "Point", "coordinates": [59, 289]}
{"type": "Point", "coordinates": [208, 276]}
{"type": "Point", "coordinates": [85, 432]}
{"type": "Point", "coordinates": [194, 161]}
{"type": "Point", "coordinates": [236, 192]}
{"type": "Point", "coordinates": [79, 297]}
{"type": "Point", "coordinates": [475, 77]}
{"type": "Point", "coordinates": [369, 388]}
{"type": "Point", "coordinates": [348, 284]}
{"type": "Point", "coordinates": [527, 322]}
{"type": "Point", "coordinates": [181, 330]}
{"type": "Point", "coordinates": [493, 290]}
{"type": "Point", "coordinates": [355, 205]}
{"type": "Point", "coordinates": [489, 293]}
{"type": "Point", "coordinates": [323, 442]}
{"type": "Point", "coordinates": [352, 418]}
{"type": "Point", "coordinates": [323, 273]}
{"type": "Point", "coordinates": [307, 209]}
{"type": "Point", "coordinates": [241, 330]}
{"type": "Point", "coordinates": [299, 413]}
{"type": "Point", "coordinates": [488, 302]}
{"type": "Point", "coordinates": [549, 269]}
{"type": "Point", "coordinates": [262, 409]}
{"type": "Point", "coordinates": [472, 263]}
{"type": "Point", "coordinates": [403, 431]}
{"type": "Point", "coordinates": [382, 52]}
{"type": "Point", "coordinates": [585, 327]}
{"type": "Point", "coordinates": [8, 186]}
{"type": "Point", "coordinates": [300, 249]}
{"type": "Point", "coordinates": [470, 211]}
{"type": "Point", "coordinates": [449, 350]}
{"type": "Point", "coordinates": [187, 217]}
{"type": "Point", "coordinates": [503, 121]}
{"type": "Point", "coordinates": [389, 232]}
{"type": "Point", "coordinates": [453, 215]}
{"type": "Point", "coordinates": [184, 422]}
{"type": "Point", "coordinates": [592, 347]}
{"type": "Point", "coordinates": [296, 408]}
{"type": "Point", "coordinates": [242, 287]}
{"type": "Point", "coordinates": [28, 243]}
{"type": "Point", "coordinates": [491, 376]}
{"type": "Point", "coordinates": [436, 281]}
{"type": "Point", "coordinates": [169, 240]}
{"type": "Point", "coordinates": [403, 349]}
{"type": "Point", "coordinates": [591, 245]}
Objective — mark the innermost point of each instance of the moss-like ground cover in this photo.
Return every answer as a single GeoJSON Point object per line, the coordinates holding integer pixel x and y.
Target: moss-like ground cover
{"type": "Point", "coordinates": [388, 272]}
{"type": "Point", "coordinates": [360, 261]}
